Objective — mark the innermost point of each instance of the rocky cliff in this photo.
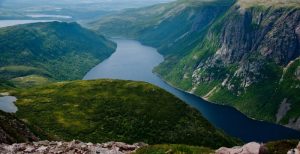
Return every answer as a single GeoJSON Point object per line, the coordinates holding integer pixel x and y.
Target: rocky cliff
{"type": "Point", "coordinates": [249, 59]}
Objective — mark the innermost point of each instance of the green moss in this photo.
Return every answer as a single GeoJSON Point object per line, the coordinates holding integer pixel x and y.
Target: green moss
{"type": "Point", "coordinates": [109, 110]}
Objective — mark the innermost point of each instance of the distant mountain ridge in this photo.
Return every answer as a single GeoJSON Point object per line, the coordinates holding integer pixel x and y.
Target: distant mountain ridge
{"type": "Point", "coordinates": [244, 54]}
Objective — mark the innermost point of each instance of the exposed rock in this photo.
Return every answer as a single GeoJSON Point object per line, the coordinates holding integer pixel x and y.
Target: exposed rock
{"type": "Point", "coordinates": [283, 109]}
{"type": "Point", "coordinates": [70, 147]}
{"type": "Point", "coordinates": [297, 73]}
{"type": "Point", "coordinates": [294, 123]}
{"type": "Point", "coordinates": [250, 148]}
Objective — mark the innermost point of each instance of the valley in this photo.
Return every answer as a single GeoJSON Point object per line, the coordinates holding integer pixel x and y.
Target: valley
{"type": "Point", "coordinates": [184, 76]}
{"type": "Point", "coordinates": [236, 56]}
{"type": "Point", "coordinates": [134, 61]}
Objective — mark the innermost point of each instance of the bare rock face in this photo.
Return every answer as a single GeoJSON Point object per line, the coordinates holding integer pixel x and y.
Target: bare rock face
{"type": "Point", "coordinates": [70, 148]}
{"type": "Point", "coordinates": [250, 148]}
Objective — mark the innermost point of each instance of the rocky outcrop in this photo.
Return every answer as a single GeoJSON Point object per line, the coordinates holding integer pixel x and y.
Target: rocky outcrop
{"type": "Point", "coordinates": [250, 148]}
{"type": "Point", "coordinates": [70, 148]}
{"type": "Point", "coordinates": [294, 123]}
{"type": "Point", "coordinates": [283, 109]}
{"type": "Point", "coordinates": [250, 39]}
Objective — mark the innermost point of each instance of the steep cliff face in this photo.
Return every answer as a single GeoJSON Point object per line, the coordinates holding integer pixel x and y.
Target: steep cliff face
{"type": "Point", "coordinates": [248, 59]}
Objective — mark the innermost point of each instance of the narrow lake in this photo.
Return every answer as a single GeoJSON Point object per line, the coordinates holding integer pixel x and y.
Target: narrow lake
{"type": "Point", "coordinates": [134, 61]}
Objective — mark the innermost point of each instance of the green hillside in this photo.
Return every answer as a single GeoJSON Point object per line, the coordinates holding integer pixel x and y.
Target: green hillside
{"type": "Point", "coordinates": [43, 52]}
{"type": "Point", "coordinates": [111, 110]}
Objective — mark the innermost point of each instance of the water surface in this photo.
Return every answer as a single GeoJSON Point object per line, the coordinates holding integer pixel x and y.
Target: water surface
{"type": "Point", "coordinates": [133, 61]}
{"type": "Point", "coordinates": [48, 16]}
{"type": "Point", "coordinates": [7, 104]}
{"type": "Point", "coordinates": [6, 23]}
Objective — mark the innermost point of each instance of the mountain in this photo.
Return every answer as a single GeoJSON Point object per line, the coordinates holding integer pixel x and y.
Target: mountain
{"type": "Point", "coordinates": [239, 53]}
{"type": "Point", "coordinates": [113, 110]}
{"type": "Point", "coordinates": [168, 27]}
{"type": "Point", "coordinates": [43, 52]}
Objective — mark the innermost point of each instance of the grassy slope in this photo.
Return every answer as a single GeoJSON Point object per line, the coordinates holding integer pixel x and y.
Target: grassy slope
{"type": "Point", "coordinates": [108, 110]}
{"type": "Point", "coordinates": [174, 149]}
{"type": "Point", "coordinates": [50, 51]}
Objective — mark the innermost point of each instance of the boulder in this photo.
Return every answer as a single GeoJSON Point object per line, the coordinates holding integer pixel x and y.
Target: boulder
{"type": "Point", "coordinates": [250, 148]}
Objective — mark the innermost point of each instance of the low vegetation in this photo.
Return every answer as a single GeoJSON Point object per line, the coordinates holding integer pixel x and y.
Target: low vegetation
{"type": "Point", "coordinates": [112, 110]}
{"type": "Point", "coordinates": [174, 149]}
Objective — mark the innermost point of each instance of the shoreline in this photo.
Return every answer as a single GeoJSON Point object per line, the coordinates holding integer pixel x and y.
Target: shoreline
{"type": "Point", "coordinates": [205, 99]}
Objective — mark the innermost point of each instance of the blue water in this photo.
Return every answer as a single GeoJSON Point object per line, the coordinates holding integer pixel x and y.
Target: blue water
{"type": "Point", "coordinates": [134, 61]}
{"type": "Point", "coordinates": [7, 104]}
